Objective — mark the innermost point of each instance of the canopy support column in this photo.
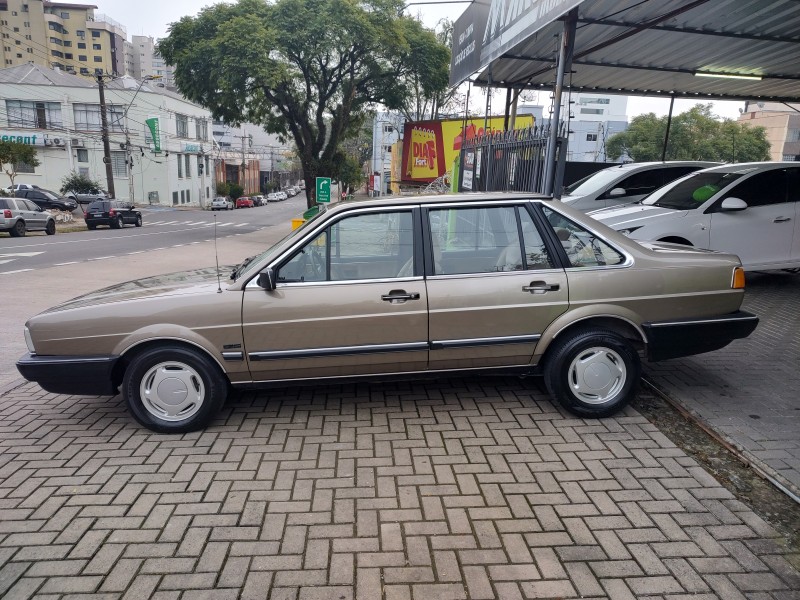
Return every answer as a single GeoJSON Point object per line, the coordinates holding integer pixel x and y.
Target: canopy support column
{"type": "Point", "coordinates": [666, 134]}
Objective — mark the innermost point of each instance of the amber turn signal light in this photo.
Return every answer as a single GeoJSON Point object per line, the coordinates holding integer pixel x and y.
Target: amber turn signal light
{"type": "Point", "coordinates": [738, 278]}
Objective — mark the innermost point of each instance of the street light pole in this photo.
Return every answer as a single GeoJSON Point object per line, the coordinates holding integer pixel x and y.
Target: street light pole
{"type": "Point", "coordinates": [106, 144]}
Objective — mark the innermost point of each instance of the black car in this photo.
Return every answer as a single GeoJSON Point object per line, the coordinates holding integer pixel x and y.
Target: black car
{"type": "Point", "coordinates": [47, 199]}
{"type": "Point", "coordinates": [114, 213]}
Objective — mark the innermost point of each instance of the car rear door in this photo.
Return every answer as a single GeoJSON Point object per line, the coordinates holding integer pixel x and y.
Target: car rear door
{"type": "Point", "coordinates": [347, 302]}
{"type": "Point", "coordinates": [493, 285]}
{"type": "Point", "coordinates": [761, 235]}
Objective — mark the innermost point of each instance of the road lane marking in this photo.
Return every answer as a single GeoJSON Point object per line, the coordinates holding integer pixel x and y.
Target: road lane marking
{"type": "Point", "coordinates": [12, 272]}
{"type": "Point", "coordinates": [100, 257]}
{"type": "Point", "coordinates": [241, 224]}
{"type": "Point", "coordinates": [72, 262]}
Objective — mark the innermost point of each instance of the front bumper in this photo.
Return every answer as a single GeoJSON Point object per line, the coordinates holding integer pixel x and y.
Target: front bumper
{"type": "Point", "coordinates": [673, 339]}
{"type": "Point", "coordinates": [75, 375]}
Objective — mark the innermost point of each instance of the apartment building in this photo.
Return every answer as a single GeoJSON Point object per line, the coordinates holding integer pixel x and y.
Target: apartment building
{"type": "Point", "coordinates": [146, 61]}
{"type": "Point", "coordinates": [59, 35]}
{"type": "Point", "coordinates": [782, 122]}
{"type": "Point", "coordinates": [59, 114]}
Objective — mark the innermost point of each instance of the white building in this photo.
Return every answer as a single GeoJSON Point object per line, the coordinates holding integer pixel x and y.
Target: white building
{"type": "Point", "coordinates": [149, 63]}
{"type": "Point", "coordinates": [387, 128]}
{"type": "Point", "coordinates": [59, 113]}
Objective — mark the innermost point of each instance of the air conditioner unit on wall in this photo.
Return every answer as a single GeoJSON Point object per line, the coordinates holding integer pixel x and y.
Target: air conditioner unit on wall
{"type": "Point", "coordinates": [77, 143]}
{"type": "Point", "coordinates": [48, 142]}
{"type": "Point", "coordinates": [58, 142]}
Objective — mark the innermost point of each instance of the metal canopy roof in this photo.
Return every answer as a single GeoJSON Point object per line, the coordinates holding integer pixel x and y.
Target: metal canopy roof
{"type": "Point", "coordinates": [637, 47]}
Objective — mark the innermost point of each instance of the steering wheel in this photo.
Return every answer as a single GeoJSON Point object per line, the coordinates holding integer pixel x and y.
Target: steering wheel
{"type": "Point", "coordinates": [317, 264]}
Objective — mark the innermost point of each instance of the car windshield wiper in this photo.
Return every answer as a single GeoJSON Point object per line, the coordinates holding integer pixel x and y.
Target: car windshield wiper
{"type": "Point", "coordinates": [237, 270]}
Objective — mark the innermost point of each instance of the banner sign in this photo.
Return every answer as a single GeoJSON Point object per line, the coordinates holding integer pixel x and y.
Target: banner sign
{"type": "Point", "coordinates": [486, 32]}
{"type": "Point", "coordinates": [154, 125]}
{"type": "Point", "coordinates": [429, 146]}
{"type": "Point", "coordinates": [28, 138]}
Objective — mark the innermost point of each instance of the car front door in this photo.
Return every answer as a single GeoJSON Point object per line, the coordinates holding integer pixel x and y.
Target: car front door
{"type": "Point", "coordinates": [761, 235]}
{"type": "Point", "coordinates": [347, 302]}
{"type": "Point", "coordinates": [35, 217]}
{"type": "Point", "coordinates": [493, 286]}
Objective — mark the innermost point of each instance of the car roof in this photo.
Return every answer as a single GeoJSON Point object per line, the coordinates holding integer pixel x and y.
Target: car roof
{"type": "Point", "coordinates": [632, 166]}
{"type": "Point", "coordinates": [750, 167]}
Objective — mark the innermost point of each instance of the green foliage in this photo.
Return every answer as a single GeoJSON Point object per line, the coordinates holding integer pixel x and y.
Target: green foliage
{"type": "Point", "coordinates": [235, 191]}
{"type": "Point", "coordinates": [223, 188]}
{"type": "Point", "coordinates": [80, 184]}
{"type": "Point", "coordinates": [303, 69]}
{"type": "Point", "coordinates": [694, 135]}
{"type": "Point", "coordinates": [349, 172]}
{"type": "Point", "coordinates": [14, 153]}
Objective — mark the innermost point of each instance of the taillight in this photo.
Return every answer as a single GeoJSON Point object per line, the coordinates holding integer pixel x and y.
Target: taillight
{"type": "Point", "coordinates": [7, 214]}
{"type": "Point", "coordinates": [738, 279]}
{"type": "Point", "coordinates": [112, 212]}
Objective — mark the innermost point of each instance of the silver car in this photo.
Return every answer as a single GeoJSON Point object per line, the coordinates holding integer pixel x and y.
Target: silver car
{"type": "Point", "coordinates": [18, 216]}
{"type": "Point", "coordinates": [221, 203]}
{"type": "Point", "coordinates": [393, 288]}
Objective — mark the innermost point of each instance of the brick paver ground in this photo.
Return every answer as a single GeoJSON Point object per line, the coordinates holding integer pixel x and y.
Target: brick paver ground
{"type": "Point", "coordinates": [462, 488]}
{"type": "Point", "coordinates": [749, 392]}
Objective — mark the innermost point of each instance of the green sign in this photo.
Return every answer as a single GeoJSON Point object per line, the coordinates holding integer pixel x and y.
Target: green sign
{"type": "Point", "coordinates": [155, 132]}
{"type": "Point", "coordinates": [323, 189]}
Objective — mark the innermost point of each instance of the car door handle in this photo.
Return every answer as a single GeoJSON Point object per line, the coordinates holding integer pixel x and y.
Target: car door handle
{"type": "Point", "coordinates": [782, 219]}
{"type": "Point", "coordinates": [540, 287]}
{"type": "Point", "coordinates": [398, 296]}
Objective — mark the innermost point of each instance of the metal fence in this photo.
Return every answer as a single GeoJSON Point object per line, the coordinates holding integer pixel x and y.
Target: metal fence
{"type": "Point", "coordinates": [510, 160]}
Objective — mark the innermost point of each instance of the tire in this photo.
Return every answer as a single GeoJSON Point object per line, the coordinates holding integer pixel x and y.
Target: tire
{"type": "Point", "coordinates": [138, 220]}
{"type": "Point", "coordinates": [592, 373]}
{"type": "Point", "coordinates": [118, 223]}
{"type": "Point", "coordinates": [91, 227]}
{"type": "Point", "coordinates": [19, 229]}
{"type": "Point", "coordinates": [174, 371]}
{"type": "Point", "coordinates": [50, 228]}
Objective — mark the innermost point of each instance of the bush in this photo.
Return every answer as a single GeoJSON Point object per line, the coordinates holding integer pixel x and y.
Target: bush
{"type": "Point", "coordinates": [80, 184]}
{"type": "Point", "coordinates": [223, 188]}
{"type": "Point", "coordinates": [235, 190]}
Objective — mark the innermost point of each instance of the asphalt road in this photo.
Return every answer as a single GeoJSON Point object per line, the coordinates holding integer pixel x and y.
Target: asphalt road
{"type": "Point", "coordinates": [163, 228]}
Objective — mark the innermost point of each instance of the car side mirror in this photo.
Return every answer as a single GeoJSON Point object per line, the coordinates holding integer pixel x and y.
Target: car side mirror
{"type": "Point", "coordinates": [733, 204]}
{"type": "Point", "coordinates": [266, 279]}
{"type": "Point", "coordinates": [616, 193]}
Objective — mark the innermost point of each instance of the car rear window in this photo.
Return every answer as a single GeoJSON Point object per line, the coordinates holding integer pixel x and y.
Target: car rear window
{"type": "Point", "coordinates": [5, 203]}
{"type": "Point", "coordinates": [99, 205]}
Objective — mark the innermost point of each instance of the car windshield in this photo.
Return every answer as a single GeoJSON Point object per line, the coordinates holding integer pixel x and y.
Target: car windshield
{"type": "Point", "coordinates": [594, 182]}
{"type": "Point", "coordinates": [49, 195]}
{"type": "Point", "coordinates": [249, 263]}
{"type": "Point", "coordinates": [691, 191]}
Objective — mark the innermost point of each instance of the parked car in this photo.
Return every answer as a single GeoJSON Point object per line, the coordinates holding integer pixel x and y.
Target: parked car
{"type": "Point", "coordinates": [626, 184]}
{"type": "Point", "coordinates": [21, 186]}
{"type": "Point", "coordinates": [282, 195]}
{"type": "Point", "coordinates": [392, 287]}
{"type": "Point", "coordinates": [47, 199]}
{"type": "Point", "coordinates": [749, 209]}
{"type": "Point", "coordinates": [114, 213]}
{"type": "Point", "coordinates": [221, 203]}
{"type": "Point", "coordinates": [86, 198]}
{"type": "Point", "coordinates": [18, 216]}
{"type": "Point", "coordinates": [291, 191]}
{"type": "Point", "coordinates": [302, 185]}
{"type": "Point", "coordinates": [273, 197]}
{"type": "Point", "coordinates": [257, 200]}
{"type": "Point", "coordinates": [244, 202]}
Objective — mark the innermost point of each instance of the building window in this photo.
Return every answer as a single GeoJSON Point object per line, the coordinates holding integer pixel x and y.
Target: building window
{"type": "Point", "coordinates": [98, 59]}
{"type": "Point", "coordinates": [98, 71]}
{"type": "Point", "coordinates": [35, 115]}
{"type": "Point", "coordinates": [180, 167]}
{"type": "Point", "coordinates": [595, 101]}
{"type": "Point", "coordinates": [57, 53]}
{"type": "Point", "coordinates": [56, 41]}
{"type": "Point", "coordinates": [187, 158]}
{"type": "Point", "coordinates": [188, 196]}
{"type": "Point", "coordinates": [119, 164]}
{"type": "Point", "coordinates": [174, 197]}
{"type": "Point", "coordinates": [201, 129]}
{"type": "Point", "coordinates": [23, 167]}
{"type": "Point", "coordinates": [83, 57]}
{"type": "Point", "coordinates": [68, 55]}
{"type": "Point", "coordinates": [591, 137]}
{"type": "Point", "coordinates": [182, 125]}
{"type": "Point", "coordinates": [96, 47]}
{"type": "Point", "coordinates": [83, 155]}
{"type": "Point", "coordinates": [81, 45]}
{"type": "Point", "coordinates": [68, 44]}
{"type": "Point", "coordinates": [591, 111]}
{"type": "Point", "coordinates": [183, 197]}
{"type": "Point", "coordinates": [65, 15]}
{"type": "Point", "coordinates": [84, 71]}
{"type": "Point", "coordinates": [80, 33]}
{"type": "Point", "coordinates": [206, 165]}
{"type": "Point", "coordinates": [87, 116]}
{"type": "Point", "coordinates": [95, 34]}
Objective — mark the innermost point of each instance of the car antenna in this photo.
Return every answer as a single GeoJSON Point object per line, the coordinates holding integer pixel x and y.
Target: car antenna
{"type": "Point", "coordinates": [216, 255]}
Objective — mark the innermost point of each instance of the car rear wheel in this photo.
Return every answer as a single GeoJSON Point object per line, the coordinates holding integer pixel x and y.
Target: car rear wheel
{"type": "Point", "coordinates": [138, 220]}
{"type": "Point", "coordinates": [592, 372]}
{"type": "Point", "coordinates": [172, 389]}
{"type": "Point", "coordinates": [19, 229]}
{"type": "Point", "coordinates": [50, 228]}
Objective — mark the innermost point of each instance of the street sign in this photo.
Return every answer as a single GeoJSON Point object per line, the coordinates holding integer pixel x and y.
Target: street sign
{"type": "Point", "coordinates": [323, 189]}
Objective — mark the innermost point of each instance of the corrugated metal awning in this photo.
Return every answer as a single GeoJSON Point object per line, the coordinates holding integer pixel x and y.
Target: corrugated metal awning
{"type": "Point", "coordinates": [638, 47]}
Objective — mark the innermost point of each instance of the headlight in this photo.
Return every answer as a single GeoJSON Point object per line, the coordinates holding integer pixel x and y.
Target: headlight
{"type": "Point", "coordinates": [29, 341]}
{"type": "Point", "coordinates": [628, 231]}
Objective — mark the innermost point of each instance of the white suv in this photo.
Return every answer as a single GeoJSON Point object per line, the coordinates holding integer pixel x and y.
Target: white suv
{"type": "Point", "coordinates": [626, 184]}
{"type": "Point", "coordinates": [748, 209]}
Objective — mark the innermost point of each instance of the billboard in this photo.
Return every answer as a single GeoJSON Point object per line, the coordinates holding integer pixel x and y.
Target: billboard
{"type": "Point", "coordinates": [430, 147]}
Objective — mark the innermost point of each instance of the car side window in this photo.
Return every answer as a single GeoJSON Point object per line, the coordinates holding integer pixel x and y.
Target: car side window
{"type": "Point", "coordinates": [640, 183]}
{"type": "Point", "coordinates": [762, 189]}
{"type": "Point", "coordinates": [583, 248]}
{"type": "Point", "coordinates": [30, 205]}
{"type": "Point", "coordinates": [793, 175]}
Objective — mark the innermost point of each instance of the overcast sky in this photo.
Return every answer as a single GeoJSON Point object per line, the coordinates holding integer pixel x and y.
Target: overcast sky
{"type": "Point", "coordinates": [152, 17]}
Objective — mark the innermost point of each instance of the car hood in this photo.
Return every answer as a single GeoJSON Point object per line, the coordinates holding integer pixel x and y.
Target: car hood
{"type": "Point", "coordinates": [569, 199]}
{"type": "Point", "coordinates": [196, 281]}
{"type": "Point", "coordinates": [634, 215]}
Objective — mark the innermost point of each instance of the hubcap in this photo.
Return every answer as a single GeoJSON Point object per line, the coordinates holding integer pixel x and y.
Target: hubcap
{"type": "Point", "coordinates": [597, 375]}
{"type": "Point", "coordinates": [172, 391]}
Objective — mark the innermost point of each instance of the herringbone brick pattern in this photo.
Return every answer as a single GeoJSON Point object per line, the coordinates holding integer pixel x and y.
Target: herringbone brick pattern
{"type": "Point", "coordinates": [462, 488]}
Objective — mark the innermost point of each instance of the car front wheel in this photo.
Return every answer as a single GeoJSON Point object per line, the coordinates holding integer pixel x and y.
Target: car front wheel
{"type": "Point", "coordinates": [172, 389]}
{"type": "Point", "coordinates": [138, 220]}
{"type": "Point", "coordinates": [50, 228]}
{"type": "Point", "coordinates": [592, 372]}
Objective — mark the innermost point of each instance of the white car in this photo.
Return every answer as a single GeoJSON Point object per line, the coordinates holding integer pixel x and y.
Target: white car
{"type": "Point", "coordinates": [21, 186]}
{"type": "Point", "coordinates": [626, 184]}
{"type": "Point", "coordinates": [220, 203]}
{"type": "Point", "coordinates": [282, 195]}
{"type": "Point", "coordinates": [273, 197]}
{"type": "Point", "coordinates": [748, 209]}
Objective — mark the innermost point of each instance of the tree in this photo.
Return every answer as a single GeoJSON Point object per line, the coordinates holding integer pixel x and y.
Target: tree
{"type": "Point", "coordinates": [15, 153]}
{"type": "Point", "coordinates": [235, 191]}
{"type": "Point", "coordinates": [302, 69]}
{"type": "Point", "coordinates": [223, 188]}
{"type": "Point", "coordinates": [80, 184]}
{"type": "Point", "coordinates": [697, 134]}
{"type": "Point", "coordinates": [427, 84]}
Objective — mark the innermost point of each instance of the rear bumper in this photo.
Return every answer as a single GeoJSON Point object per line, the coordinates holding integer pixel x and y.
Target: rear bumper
{"type": "Point", "coordinates": [78, 375]}
{"type": "Point", "coordinates": [673, 339]}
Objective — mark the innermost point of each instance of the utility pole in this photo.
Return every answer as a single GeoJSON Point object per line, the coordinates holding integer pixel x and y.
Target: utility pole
{"type": "Point", "coordinates": [106, 144]}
